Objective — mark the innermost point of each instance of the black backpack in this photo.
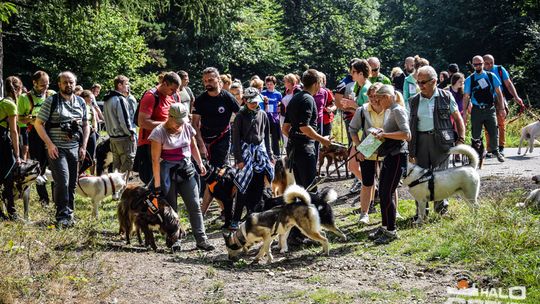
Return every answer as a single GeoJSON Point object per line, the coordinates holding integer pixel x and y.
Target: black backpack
{"type": "Point", "coordinates": [504, 89]}
{"type": "Point", "coordinates": [154, 92]}
{"type": "Point", "coordinates": [483, 96]}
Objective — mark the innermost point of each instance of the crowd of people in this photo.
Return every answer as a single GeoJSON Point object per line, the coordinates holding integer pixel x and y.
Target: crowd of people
{"type": "Point", "coordinates": [418, 113]}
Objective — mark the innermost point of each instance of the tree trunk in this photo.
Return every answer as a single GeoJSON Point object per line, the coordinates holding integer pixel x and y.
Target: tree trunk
{"type": "Point", "coordinates": [1, 62]}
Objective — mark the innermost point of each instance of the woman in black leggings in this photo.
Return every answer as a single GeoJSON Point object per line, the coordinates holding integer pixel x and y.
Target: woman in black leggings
{"type": "Point", "coordinates": [394, 149]}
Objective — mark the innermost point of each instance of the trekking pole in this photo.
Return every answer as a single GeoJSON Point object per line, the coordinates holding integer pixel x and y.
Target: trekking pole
{"type": "Point", "coordinates": [320, 179]}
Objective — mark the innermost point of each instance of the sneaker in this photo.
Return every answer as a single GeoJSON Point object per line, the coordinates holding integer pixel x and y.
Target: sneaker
{"type": "Point", "coordinates": [376, 234]}
{"type": "Point", "coordinates": [489, 155]}
{"type": "Point", "coordinates": [500, 157]}
{"type": "Point", "coordinates": [65, 223]}
{"type": "Point", "coordinates": [233, 226]}
{"type": "Point", "coordinates": [206, 246]}
{"type": "Point", "coordinates": [399, 216]}
{"type": "Point", "coordinates": [372, 208]}
{"type": "Point", "coordinates": [501, 150]}
{"type": "Point", "coordinates": [364, 218]}
{"type": "Point", "coordinates": [177, 246]}
{"type": "Point", "coordinates": [356, 186]}
{"type": "Point", "coordinates": [386, 237]}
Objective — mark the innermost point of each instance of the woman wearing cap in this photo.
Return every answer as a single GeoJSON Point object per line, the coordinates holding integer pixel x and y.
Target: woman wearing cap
{"type": "Point", "coordinates": [172, 146]}
{"type": "Point", "coordinates": [253, 156]}
{"type": "Point", "coordinates": [395, 133]}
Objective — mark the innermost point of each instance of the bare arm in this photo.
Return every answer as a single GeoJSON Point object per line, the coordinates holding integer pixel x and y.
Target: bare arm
{"type": "Point", "coordinates": [197, 156]}
{"type": "Point", "coordinates": [12, 122]}
{"type": "Point", "coordinates": [155, 150]}
{"type": "Point", "coordinates": [309, 132]}
{"type": "Point", "coordinates": [196, 123]}
{"type": "Point", "coordinates": [86, 134]}
{"type": "Point", "coordinates": [398, 135]}
{"type": "Point", "coordinates": [500, 103]}
{"type": "Point", "coordinates": [466, 99]}
{"type": "Point", "coordinates": [145, 121]}
{"type": "Point", "coordinates": [286, 128]}
{"type": "Point", "coordinates": [52, 150]}
{"type": "Point", "coordinates": [460, 127]}
{"type": "Point", "coordinates": [510, 86]}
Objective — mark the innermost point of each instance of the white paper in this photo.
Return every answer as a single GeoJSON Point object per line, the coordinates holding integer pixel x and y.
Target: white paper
{"type": "Point", "coordinates": [483, 83]}
{"type": "Point", "coordinates": [412, 89]}
{"type": "Point", "coordinates": [270, 108]}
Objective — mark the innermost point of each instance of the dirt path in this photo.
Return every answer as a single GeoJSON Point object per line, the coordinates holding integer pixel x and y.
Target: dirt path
{"type": "Point", "coordinates": [350, 274]}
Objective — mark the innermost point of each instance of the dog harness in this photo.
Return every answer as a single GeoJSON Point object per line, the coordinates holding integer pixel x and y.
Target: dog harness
{"type": "Point", "coordinates": [152, 205]}
{"type": "Point", "coordinates": [239, 240]}
{"type": "Point", "coordinates": [104, 184]}
{"type": "Point", "coordinates": [426, 177]}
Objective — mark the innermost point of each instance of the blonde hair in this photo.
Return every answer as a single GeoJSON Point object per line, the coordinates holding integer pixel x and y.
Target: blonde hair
{"type": "Point", "coordinates": [257, 83]}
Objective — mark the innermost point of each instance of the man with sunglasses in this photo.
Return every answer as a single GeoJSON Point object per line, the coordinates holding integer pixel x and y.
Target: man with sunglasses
{"type": "Point", "coordinates": [376, 75]}
{"type": "Point", "coordinates": [483, 90]}
{"type": "Point", "coordinates": [432, 131]}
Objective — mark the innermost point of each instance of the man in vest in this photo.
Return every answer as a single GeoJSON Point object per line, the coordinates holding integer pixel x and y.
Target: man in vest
{"type": "Point", "coordinates": [483, 90]}
{"type": "Point", "coordinates": [432, 132]}
{"type": "Point", "coordinates": [509, 93]}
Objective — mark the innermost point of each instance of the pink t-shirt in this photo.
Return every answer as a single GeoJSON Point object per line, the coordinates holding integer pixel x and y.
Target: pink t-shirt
{"type": "Point", "coordinates": [174, 147]}
{"type": "Point", "coordinates": [320, 101]}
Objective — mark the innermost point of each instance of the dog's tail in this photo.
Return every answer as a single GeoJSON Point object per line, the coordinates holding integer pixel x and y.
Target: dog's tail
{"type": "Point", "coordinates": [468, 151]}
{"type": "Point", "coordinates": [328, 195]}
{"type": "Point", "coordinates": [296, 192]}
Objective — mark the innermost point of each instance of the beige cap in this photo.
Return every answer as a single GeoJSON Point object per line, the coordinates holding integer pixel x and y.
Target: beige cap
{"type": "Point", "coordinates": [179, 112]}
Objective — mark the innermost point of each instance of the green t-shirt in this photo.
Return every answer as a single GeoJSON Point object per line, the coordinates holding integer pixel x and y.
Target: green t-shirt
{"type": "Point", "coordinates": [7, 108]}
{"type": "Point", "coordinates": [361, 94]}
{"type": "Point", "coordinates": [24, 105]}
{"type": "Point", "coordinates": [381, 78]}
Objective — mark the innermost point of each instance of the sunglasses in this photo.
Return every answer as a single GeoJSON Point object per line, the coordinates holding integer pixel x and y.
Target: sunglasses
{"type": "Point", "coordinates": [424, 82]}
{"type": "Point", "coordinates": [375, 70]}
{"type": "Point", "coordinates": [477, 64]}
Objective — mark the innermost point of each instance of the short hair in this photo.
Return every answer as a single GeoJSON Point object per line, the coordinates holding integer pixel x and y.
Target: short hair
{"type": "Point", "coordinates": [257, 83]}
{"type": "Point", "coordinates": [489, 56]}
{"type": "Point", "coordinates": [211, 70]}
{"type": "Point", "coordinates": [362, 66]}
{"type": "Point", "coordinates": [395, 72]}
{"type": "Point", "coordinates": [237, 85]}
{"type": "Point", "coordinates": [353, 61]}
{"type": "Point", "coordinates": [270, 78]}
{"type": "Point", "coordinates": [310, 77]}
{"type": "Point", "coordinates": [445, 74]}
{"type": "Point", "coordinates": [95, 86]}
{"type": "Point", "coordinates": [86, 93]}
{"type": "Point", "coordinates": [386, 89]}
{"type": "Point", "coordinates": [374, 60]}
{"type": "Point", "coordinates": [420, 62]}
{"type": "Point", "coordinates": [182, 74]}
{"type": "Point", "coordinates": [323, 77]}
{"type": "Point", "coordinates": [225, 79]}
{"type": "Point", "coordinates": [428, 70]}
{"type": "Point", "coordinates": [120, 79]}
{"type": "Point", "coordinates": [66, 74]}
{"type": "Point", "coordinates": [453, 68]}
{"type": "Point", "coordinates": [38, 75]}
{"type": "Point", "coordinates": [13, 84]}
{"type": "Point", "coordinates": [171, 78]}
{"type": "Point", "coordinates": [290, 78]}
{"type": "Point", "coordinates": [374, 88]}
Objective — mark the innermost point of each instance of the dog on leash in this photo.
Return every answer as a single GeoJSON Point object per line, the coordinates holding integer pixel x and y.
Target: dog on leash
{"type": "Point", "coordinates": [24, 175]}
{"type": "Point", "coordinates": [335, 154]}
{"type": "Point", "coordinates": [445, 182]}
{"type": "Point", "coordinates": [283, 176]}
{"type": "Point", "coordinates": [478, 146]}
{"type": "Point", "coordinates": [264, 226]}
{"type": "Point", "coordinates": [529, 133]}
{"type": "Point", "coordinates": [321, 200]}
{"type": "Point", "coordinates": [138, 210]}
{"type": "Point", "coordinates": [99, 187]}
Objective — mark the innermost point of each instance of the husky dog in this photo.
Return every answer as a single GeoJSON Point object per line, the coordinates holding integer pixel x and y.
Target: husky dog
{"type": "Point", "coordinates": [321, 200]}
{"type": "Point", "coordinates": [445, 182]}
{"type": "Point", "coordinates": [24, 175]}
{"type": "Point", "coordinates": [530, 132]}
{"type": "Point", "coordinates": [136, 214]}
{"type": "Point", "coordinates": [99, 187]}
{"type": "Point", "coordinates": [297, 211]}
{"type": "Point", "coordinates": [283, 176]}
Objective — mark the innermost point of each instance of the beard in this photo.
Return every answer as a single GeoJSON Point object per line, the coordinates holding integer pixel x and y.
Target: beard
{"type": "Point", "coordinates": [67, 91]}
{"type": "Point", "coordinates": [210, 88]}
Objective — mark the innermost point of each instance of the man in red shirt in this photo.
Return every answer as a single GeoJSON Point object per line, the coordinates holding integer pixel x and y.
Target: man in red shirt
{"type": "Point", "coordinates": [153, 110]}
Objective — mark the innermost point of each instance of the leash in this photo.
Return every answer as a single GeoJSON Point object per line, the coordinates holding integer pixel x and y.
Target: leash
{"type": "Point", "coordinates": [320, 179]}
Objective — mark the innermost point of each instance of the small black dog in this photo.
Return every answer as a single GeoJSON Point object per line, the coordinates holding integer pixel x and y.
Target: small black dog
{"type": "Point", "coordinates": [138, 210]}
{"type": "Point", "coordinates": [220, 182]}
{"type": "Point", "coordinates": [321, 200]}
{"type": "Point", "coordinates": [478, 146]}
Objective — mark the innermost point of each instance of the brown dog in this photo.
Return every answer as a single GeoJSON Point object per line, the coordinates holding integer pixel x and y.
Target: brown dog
{"type": "Point", "coordinates": [283, 176]}
{"type": "Point", "coordinates": [138, 210]}
{"type": "Point", "coordinates": [335, 154]}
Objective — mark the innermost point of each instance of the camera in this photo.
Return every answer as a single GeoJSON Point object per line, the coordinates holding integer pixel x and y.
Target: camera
{"type": "Point", "coordinates": [73, 130]}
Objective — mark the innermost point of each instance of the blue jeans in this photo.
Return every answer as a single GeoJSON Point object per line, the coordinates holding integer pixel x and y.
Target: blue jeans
{"type": "Point", "coordinates": [64, 173]}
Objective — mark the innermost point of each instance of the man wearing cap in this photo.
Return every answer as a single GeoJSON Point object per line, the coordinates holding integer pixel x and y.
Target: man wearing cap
{"type": "Point", "coordinates": [432, 132]}
{"type": "Point", "coordinates": [252, 154]}
{"type": "Point", "coordinates": [509, 92]}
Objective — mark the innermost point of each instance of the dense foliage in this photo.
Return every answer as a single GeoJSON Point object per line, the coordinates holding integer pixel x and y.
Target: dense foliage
{"type": "Point", "coordinates": [101, 38]}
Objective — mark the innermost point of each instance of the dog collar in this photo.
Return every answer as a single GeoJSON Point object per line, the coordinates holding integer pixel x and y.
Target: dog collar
{"type": "Point", "coordinates": [239, 240]}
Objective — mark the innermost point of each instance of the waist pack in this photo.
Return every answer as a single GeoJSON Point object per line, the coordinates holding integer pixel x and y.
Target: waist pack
{"type": "Point", "coordinates": [183, 171]}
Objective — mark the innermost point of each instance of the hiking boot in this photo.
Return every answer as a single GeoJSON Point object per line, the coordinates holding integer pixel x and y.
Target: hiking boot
{"type": "Point", "coordinates": [206, 246]}
{"type": "Point", "coordinates": [489, 155]}
{"type": "Point", "coordinates": [64, 223]}
{"type": "Point", "coordinates": [386, 237]}
{"type": "Point", "coordinates": [372, 208]}
{"type": "Point", "coordinates": [356, 186]}
{"type": "Point", "coordinates": [376, 234]}
{"type": "Point", "coordinates": [500, 157]}
{"type": "Point", "coordinates": [364, 218]}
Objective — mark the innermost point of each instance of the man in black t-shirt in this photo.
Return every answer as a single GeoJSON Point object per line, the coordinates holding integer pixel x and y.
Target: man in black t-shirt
{"type": "Point", "coordinates": [212, 112]}
{"type": "Point", "coordinates": [300, 127]}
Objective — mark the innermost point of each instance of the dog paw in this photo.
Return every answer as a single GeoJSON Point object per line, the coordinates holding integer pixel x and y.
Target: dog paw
{"type": "Point", "coordinates": [520, 205]}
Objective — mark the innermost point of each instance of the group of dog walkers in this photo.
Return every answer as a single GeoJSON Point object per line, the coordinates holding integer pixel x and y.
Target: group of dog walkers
{"type": "Point", "coordinates": [417, 114]}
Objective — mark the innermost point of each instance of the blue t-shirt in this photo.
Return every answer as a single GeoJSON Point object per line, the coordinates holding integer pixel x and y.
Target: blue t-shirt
{"type": "Point", "coordinates": [482, 80]}
{"type": "Point", "coordinates": [495, 70]}
{"type": "Point", "coordinates": [273, 101]}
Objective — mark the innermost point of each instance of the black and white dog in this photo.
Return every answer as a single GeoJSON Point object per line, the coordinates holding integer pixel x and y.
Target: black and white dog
{"type": "Point", "coordinates": [104, 157]}
{"type": "Point", "coordinates": [24, 175]}
{"type": "Point", "coordinates": [264, 226]}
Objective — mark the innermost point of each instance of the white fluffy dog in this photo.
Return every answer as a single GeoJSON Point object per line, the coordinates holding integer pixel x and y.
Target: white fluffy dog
{"type": "Point", "coordinates": [445, 182]}
{"type": "Point", "coordinates": [530, 132]}
{"type": "Point", "coordinates": [532, 200]}
{"type": "Point", "coordinates": [99, 187]}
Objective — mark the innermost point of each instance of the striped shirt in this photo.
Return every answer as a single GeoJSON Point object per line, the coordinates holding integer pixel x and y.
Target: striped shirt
{"type": "Point", "coordinates": [66, 111]}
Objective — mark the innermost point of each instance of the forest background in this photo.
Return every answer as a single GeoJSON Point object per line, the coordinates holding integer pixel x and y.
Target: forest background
{"type": "Point", "coordinates": [98, 39]}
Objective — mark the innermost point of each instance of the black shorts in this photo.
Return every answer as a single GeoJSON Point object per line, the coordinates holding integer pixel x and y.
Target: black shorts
{"type": "Point", "coordinates": [24, 135]}
{"type": "Point", "coordinates": [367, 168]}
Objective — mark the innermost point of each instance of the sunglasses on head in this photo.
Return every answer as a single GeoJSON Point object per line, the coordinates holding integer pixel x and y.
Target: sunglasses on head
{"type": "Point", "coordinates": [424, 82]}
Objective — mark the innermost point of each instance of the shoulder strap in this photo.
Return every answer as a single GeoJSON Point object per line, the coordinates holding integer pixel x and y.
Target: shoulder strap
{"type": "Point", "coordinates": [31, 99]}
{"type": "Point", "coordinates": [490, 77]}
{"type": "Point", "coordinates": [154, 92]}
{"type": "Point", "coordinates": [54, 105]}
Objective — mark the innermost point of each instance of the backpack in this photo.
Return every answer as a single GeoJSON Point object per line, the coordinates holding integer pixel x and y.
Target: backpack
{"type": "Point", "coordinates": [154, 92]}
{"type": "Point", "coordinates": [507, 95]}
{"type": "Point", "coordinates": [483, 96]}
